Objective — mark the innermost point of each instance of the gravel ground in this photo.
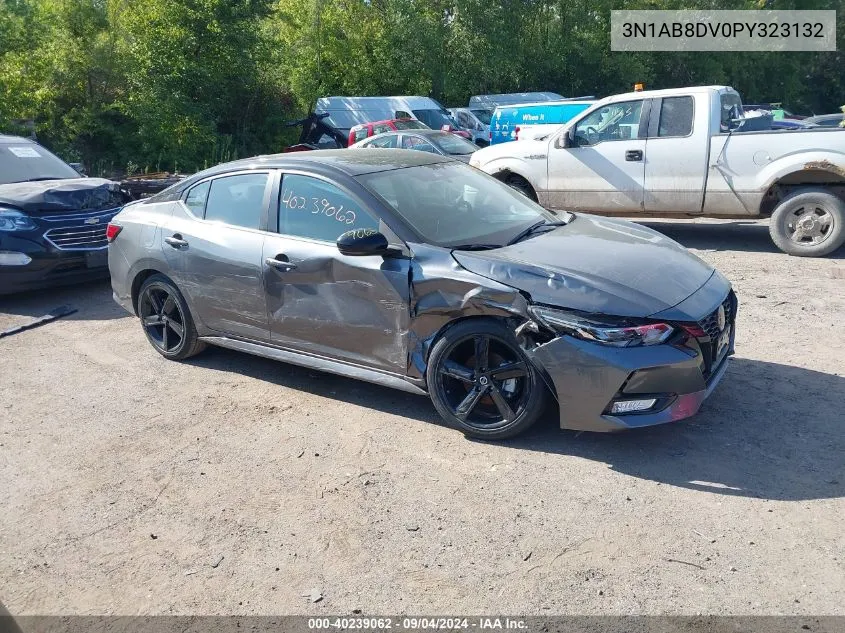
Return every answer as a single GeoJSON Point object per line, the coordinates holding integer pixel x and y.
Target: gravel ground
{"type": "Point", "coordinates": [231, 484]}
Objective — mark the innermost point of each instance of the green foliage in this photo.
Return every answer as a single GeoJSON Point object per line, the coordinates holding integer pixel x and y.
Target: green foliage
{"type": "Point", "coordinates": [151, 85]}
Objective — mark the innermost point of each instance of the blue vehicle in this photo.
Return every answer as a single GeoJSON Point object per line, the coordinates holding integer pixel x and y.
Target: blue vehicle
{"type": "Point", "coordinates": [526, 120]}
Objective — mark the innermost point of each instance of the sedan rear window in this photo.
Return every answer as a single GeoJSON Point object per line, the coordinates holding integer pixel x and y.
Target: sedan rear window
{"type": "Point", "coordinates": [453, 145]}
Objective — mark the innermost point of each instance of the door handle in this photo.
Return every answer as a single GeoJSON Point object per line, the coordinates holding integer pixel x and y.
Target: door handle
{"type": "Point", "coordinates": [279, 264]}
{"type": "Point", "coordinates": [634, 155]}
{"type": "Point", "coordinates": [176, 241]}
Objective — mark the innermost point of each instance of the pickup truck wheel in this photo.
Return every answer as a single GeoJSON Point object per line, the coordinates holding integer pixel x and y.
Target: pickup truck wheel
{"type": "Point", "coordinates": [522, 186]}
{"type": "Point", "coordinates": [809, 222]}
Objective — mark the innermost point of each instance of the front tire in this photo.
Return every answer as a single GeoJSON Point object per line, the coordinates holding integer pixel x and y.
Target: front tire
{"type": "Point", "coordinates": [809, 222]}
{"type": "Point", "coordinates": [522, 186]}
{"type": "Point", "coordinates": [166, 320]}
{"type": "Point", "coordinates": [481, 382]}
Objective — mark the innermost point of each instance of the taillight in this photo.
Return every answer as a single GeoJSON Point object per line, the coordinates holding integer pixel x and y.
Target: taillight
{"type": "Point", "coordinates": [112, 231]}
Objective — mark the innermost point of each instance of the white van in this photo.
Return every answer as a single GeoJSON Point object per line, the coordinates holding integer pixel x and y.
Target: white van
{"type": "Point", "coordinates": [347, 112]}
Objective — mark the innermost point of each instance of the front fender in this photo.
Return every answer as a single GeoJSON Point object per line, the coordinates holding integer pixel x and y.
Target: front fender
{"type": "Point", "coordinates": [532, 169]}
{"type": "Point", "coordinates": [442, 293]}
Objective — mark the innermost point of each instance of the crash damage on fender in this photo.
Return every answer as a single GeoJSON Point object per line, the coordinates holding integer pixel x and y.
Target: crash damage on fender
{"type": "Point", "coordinates": [564, 269]}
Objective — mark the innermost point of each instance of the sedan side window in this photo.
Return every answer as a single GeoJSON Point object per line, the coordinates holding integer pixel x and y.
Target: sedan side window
{"type": "Point", "coordinates": [614, 122]}
{"type": "Point", "coordinates": [417, 143]}
{"type": "Point", "coordinates": [313, 208]}
{"type": "Point", "coordinates": [237, 200]}
{"type": "Point", "coordinates": [196, 197]}
{"type": "Point", "coordinates": [384, 141]}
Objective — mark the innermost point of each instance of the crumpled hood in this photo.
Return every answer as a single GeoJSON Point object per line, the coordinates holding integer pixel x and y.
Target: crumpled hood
{"type": "Point", "coordinates": [52, 196]}
{"type": "Point", "coordinates": [596, 264]}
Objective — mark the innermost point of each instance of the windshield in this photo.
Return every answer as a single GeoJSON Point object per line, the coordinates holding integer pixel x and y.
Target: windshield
{"type": "Point", "coordinates": [436, 119]}
{"type": "Point", "coordinates": [485, 116]}
{"type": "Point", "coordinates": [410, 124]}
{"type": "Point", "coordinates": [450, 204]}
{"type": "Point", "coordinates": [451, 144]}
{"type": "Point", "coordinates": [24, 161]}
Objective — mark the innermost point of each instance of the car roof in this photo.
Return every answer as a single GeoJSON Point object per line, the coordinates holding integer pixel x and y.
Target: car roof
{"type": "Point", "coordinates": [362, 125]}
{"type": "Point", "coordinates": [667, 92]}
{"type": "Point", "coordinates": [6, 139]}
{"type": "Point", "coordinates": [365, 103]}
{"type": "Point", "coordinates": [415, 132]}
{"type": "Point", "coordinates": [511, 98]}
{"type": "Point", "coordinates": [338, 160]}
{"type": "Point", "coordinates": [545, 104]}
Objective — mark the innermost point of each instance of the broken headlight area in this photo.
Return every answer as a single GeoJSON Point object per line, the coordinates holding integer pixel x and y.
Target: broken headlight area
{"type": "Point", "coordinates": [601, 330]}
{"type": "Point", "coordinates": [12, 220]}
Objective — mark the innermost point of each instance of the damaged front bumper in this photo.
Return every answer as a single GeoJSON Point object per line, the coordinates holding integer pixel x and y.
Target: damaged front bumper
{"type": "Point", "coordinates": [588, 378]}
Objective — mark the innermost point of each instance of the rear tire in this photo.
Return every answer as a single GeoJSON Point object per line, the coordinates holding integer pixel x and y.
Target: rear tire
{"type": "Point", "coordinates": [166, 320]}
{"type": "Point", "coordinates": [809, 222]}
{"type": "Point", "coordinates": [481, 382]}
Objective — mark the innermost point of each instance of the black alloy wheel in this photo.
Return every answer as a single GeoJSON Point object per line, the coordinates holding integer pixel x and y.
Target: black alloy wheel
{"type": "Point", "coordinates": [481, 382]}
{"type": "Point", "coordinates": [166, 320]}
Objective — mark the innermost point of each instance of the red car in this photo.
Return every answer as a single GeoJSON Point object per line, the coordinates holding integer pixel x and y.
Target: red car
{"type": "Point", "coordinates": [366, 130]}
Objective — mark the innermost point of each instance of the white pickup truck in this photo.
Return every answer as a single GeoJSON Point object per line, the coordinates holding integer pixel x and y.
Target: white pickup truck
{"type": "Point", "coordinates": [683, 153]}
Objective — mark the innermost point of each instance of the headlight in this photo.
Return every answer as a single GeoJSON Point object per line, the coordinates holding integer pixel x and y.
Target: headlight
{"type": "Point", "coordinates": [601, 332]}
{"type": "Point", "coordinates": [11, 220]}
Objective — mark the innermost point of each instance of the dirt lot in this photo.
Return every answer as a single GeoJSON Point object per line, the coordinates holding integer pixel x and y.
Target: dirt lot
{"type": "Point", "coordinates": [127, 478]}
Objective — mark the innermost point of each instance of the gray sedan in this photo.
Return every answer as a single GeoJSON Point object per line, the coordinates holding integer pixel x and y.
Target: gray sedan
{"type": "Point", "coordinates": [432, 141]}
{"type": "Point", "coordinates": [420, 273]}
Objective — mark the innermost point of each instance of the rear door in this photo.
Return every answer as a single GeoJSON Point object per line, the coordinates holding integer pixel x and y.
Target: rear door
{"type": "Point", "coordinates": [214, 242]}
{"type": "Point", "coordinates": [604, 169]}
{"type": "Point", "coordinates": [355, 309]}
{"type": "Point", "coordinates": [676, 167]}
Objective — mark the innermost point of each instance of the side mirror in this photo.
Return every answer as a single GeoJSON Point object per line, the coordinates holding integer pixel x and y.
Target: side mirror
{"type": "Point", "coordinates": [735, 124]}
{"type": "Point", "coordinates": [362, 242]}
{"type": "Point", "coordinates": [79, 168]}
{"type": "Point", "coordinates": [567, 139]}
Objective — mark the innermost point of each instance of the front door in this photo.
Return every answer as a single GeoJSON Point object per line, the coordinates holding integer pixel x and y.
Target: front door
{"type": "Point", "coordinates": [319, 301]}
{"type": "Point", "coordinates": [604, 169]}
{"type": "Point", "coordinates": [214, 244]}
